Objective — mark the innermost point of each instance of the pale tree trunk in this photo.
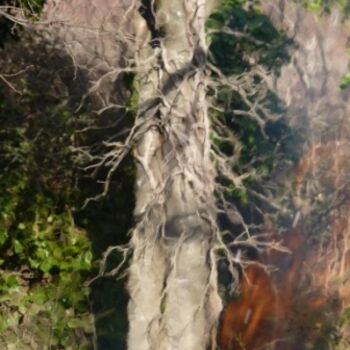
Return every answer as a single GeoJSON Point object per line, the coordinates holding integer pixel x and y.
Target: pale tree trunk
{"type": "Point", "coordinates": [172, 282]}
{"type": "Point", "coordinates": [174, 302]}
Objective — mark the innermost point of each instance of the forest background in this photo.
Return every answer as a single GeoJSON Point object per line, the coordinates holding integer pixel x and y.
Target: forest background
{"type": "Point", "coordinates": [52, 242]}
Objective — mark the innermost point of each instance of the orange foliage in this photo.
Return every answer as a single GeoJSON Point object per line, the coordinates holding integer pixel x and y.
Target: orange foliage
{"type": "Point", "coordinates": [249, 320]}
{"type": "Point", "coordinates": [287, 307]}
{"type": "Point", "coordinates": [279, 309]}
{"type": "Point", "coordinates": [257, 316]}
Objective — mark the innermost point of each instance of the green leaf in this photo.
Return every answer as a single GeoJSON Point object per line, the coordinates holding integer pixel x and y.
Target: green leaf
{"type": "Point", "coordinates": [39, 296]}
{"type": "Point", "coordinates": [18, 247]}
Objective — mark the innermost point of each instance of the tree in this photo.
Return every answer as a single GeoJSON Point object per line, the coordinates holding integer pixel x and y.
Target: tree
{"type": "Point", "coordinates": [198, 134]}
{"type": "Point", "coordinates": [173, 251]}
{"type": "Point", "coordinates": [176, 241]}
{"type": "Point", "coordinates": [172, 280]}
{"type": "Point", "coordinates": [175, 238]}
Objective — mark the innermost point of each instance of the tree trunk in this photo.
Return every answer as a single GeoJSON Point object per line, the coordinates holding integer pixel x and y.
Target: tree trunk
{"type": "Point", "coordinates": [172, 277]}
{"type": "Point", "coordinates": [172, 280]}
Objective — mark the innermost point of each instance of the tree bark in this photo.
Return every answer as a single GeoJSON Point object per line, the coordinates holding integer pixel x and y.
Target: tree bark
{"type": "Point", "coordinates": [172, 282]}
{"type": "Point", "coordinates": [174, 302]}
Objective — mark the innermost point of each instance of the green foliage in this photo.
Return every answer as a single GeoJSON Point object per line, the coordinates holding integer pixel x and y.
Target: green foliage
{"type": "Point", "coordinates": [320, 6]}
{"type": "Point", "coordinates": [345, 82]}
{"type": "Point", "coordinates": [257, 41]}
{"type": "Point", "coordinates": [34, 5]}
{"type": "Point", "coordinates": [49, 244]}
{"type": "Point", "coordinates": [343, 328]}
{"type": "Point", "coordinates": [317, 5]}
{"type": "Point", "coordinates": [45, 260]}
{"type": "Point", "coordinates": [9, 31]}
{"type": "Point", "coordinates": [226, 9]}
{"type": "Point", "coordinates": [250, 41]}
{"type": "Point", "coordinates": [44, 257]}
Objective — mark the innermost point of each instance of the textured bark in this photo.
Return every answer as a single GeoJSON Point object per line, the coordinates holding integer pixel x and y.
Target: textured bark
{"type": "Point", "coordinates": [174, 302]}
{"type": "Point", "coordinates": [172, 277]}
